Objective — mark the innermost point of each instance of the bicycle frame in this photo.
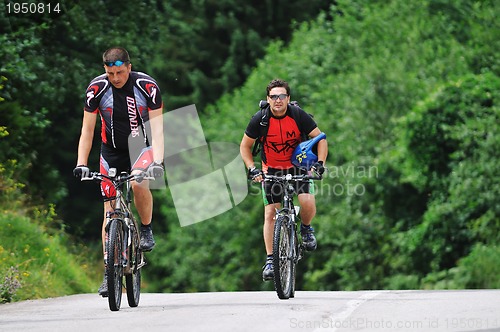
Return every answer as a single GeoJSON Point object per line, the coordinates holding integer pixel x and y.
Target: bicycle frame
{"type": "Point", "coordinates": [122, 254]}
{"type": "Point", "coordinates": [287, 247]}
{"type": "Point", "coordinates": [288, 210]}
{"type": "Point", "coordinates": [122, 212]}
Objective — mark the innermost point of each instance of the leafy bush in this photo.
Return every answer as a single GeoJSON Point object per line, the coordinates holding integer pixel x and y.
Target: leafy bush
{"type": "Point", "coordinates": [450, 141]}
{"type": "Point", "coordinates": [480, 269]}
{"type": "Point", "coordinates": [37, 258]}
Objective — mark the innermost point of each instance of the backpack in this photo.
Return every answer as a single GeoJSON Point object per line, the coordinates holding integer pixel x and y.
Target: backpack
{"type": "Point", "coordinates": [294, 108]}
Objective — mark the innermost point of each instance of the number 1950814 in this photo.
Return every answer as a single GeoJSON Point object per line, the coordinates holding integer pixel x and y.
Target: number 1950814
{"type": "Point", "coordinates": [32, 8]}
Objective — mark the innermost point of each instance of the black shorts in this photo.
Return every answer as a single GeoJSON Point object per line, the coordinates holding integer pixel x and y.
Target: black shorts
{"type": "Point", "coordinates": [272, 192]}
{"type": "Point", "coordinates": [122, 161]}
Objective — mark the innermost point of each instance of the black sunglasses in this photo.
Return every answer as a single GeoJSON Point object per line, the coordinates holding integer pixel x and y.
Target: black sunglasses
{"type": "Point", "coordinates": [117, 63]}
{"type": "Point", "coordinates": [281, 96]}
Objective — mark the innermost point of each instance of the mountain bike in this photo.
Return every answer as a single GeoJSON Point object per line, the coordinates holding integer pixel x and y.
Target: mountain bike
{"type": "Point", "coordinates": [288, 248]}
{"type": "Point", "coordinates": [123, 258]}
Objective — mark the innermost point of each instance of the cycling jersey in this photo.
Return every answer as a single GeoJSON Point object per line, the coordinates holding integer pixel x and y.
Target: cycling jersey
{"type": "Point", "coordinates": [283, 135]}
{"type": "Point", "coordinates": [124, 111]}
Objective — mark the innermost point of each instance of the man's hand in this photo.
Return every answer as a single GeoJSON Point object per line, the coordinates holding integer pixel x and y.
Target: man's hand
{"type": "Point", "coordinates": [254, 173]}
{"type": "Point", "coordinates": [81, 171]}
{"type": "Point", "coordinates": [318, 168]}
{"type": "Point", "coordinates": [156, 169]}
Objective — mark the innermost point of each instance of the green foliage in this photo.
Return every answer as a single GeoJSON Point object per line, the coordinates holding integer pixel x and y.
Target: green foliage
{"type": "Point", "coordinates": [209, 48]}
{"type": "Point", "coordinates": [450, 141]}
{"type": "Point", "coordinates": [37, 259]}
{"type": "Point", "coordinates": [195, 49]}
{"type": "Point", "coordinates": [43, 263]}
{"type": "Point", "coordinates": [407, 93]}
{"type": "Point", "coordinates": [217, 255]}
{"type": "Point", "coordinates": [371, 88]}
{"type": "Point", "coordinates": [479, 269]}
{"type": "Point", "coordinates": [9, 285]}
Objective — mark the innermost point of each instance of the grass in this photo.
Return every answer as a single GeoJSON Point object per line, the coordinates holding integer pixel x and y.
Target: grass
{"type": "Point", "coordinates": [39, 261]}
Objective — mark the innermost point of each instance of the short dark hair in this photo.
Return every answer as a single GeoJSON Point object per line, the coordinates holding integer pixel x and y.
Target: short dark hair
{"type": "Point", "coordinates": [278, 83]}
{"type": "Point", "coordinates": [115, 53]}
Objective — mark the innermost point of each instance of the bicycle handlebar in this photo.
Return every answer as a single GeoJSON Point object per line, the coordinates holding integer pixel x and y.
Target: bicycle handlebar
{"type": "Point", "coordinates": [119, 179]}
{"type": "Point", "coordinates": [290, 177]}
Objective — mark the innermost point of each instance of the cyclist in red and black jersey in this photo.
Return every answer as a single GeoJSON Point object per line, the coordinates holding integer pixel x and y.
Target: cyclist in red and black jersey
{"type": "Point", "coordinates": [130, 106]}
{"type": "Point", "coordinates": [284, 132]}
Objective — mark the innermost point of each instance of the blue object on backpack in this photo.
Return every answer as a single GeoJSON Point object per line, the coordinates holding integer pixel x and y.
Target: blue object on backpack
{"type": "Point", "coordinates": [303, 155]}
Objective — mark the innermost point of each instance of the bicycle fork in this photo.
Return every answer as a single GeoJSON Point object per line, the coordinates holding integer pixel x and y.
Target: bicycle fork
{"type": "Point", "coordinates": [298, 246]}
{"type": "Point", "coordinates": [126, 232]}
{"type": "Point", "coordinates": [126, 243]}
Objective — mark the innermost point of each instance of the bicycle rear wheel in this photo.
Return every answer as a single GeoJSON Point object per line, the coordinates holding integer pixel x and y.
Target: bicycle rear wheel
{"type": "Point", "coordinates": [283, 260]}
{"type": "Point", "coordinates": [133, 280]}
{"type": "Point", "coordinates": [114, 267]}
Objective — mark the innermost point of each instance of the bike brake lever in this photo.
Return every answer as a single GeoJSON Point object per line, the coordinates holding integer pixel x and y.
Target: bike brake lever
{"type": "Point", "coordinates": [141, 177]}
{"type": "Point", "coordinates": [315, 176]}
{"type": "Point", "coordinates": [87, 178]}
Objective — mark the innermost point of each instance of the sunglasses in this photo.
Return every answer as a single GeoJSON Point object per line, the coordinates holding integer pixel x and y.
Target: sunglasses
{"type": "Point", "coordinates": [281, 96]}
{"type": "Point", "coordinates": [117, 63]}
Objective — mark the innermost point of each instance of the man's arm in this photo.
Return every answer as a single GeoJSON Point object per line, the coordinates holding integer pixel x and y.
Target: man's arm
{"type": "Point", "coordinates": [246, 154]}
{"type": "Point", "coordinates": [322, 145]}
{"type": "Point", "coordinates": [156, 122]}
{"type": "Point", "coordinates": [246, 150]}
{"type": "Point", "coordinates": [86, 138]}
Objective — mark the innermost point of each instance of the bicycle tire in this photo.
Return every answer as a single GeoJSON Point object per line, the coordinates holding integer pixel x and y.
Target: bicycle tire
{"type": "Point", "coordinates": [295, 256]}
{"type": "Point", "coordinates": [114, 267]}
{"type": "Point", "coordinates": [283, 260]}
{"type": "Point", "coordinates": [133, 280]}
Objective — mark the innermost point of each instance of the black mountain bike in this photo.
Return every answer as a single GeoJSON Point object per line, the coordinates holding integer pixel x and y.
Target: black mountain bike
{"type": "Point", "coordinates": [124, 258]}
{"type": "Point", "coordinates": [287, 245]}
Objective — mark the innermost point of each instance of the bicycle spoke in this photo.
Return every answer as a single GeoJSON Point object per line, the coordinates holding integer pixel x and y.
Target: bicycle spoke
{"type": "Point", "coordinates": [122, 259]}
{"type": "Point", "coordinates": [283, 260]}
{"type": "Point", "coordinates": [114, 268]}
{"type": "Point", "coordinates": [133, 280]}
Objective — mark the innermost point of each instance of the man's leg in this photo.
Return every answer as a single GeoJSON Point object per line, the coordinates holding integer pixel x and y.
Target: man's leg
{"type": "Point", "coordinates": [269, 219]}
{"type": "Point", "coordinates": [103, 289]}
{"type": "Point", "coordinates": [143, 200]}
{"type": "Point", "coordinates": [107, 208]}
{"type": "Point", "coordinates": [307, 204]}
{"type": "Point", "coordinates": [268, 232]}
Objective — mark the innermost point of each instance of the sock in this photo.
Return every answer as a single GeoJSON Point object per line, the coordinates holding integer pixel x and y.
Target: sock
{"type": "Point", "coordinates": [269, 257]}
{"type": "Point", "coordinates": [145, 226]}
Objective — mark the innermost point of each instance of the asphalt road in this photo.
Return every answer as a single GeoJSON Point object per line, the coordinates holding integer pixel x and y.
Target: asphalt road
{"type": "Point", "coordinates": [464, 310]}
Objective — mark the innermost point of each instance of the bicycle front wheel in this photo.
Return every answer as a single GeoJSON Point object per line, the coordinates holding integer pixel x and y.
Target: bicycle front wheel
{"type": "Point", "coordinates": [114, 267]}
{"type": "Point", "coordinates": [133, 280]}
{"type": "Point", "coordinates": [283, 260]}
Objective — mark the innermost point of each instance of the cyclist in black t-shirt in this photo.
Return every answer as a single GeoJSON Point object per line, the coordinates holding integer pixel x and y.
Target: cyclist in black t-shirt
{"type": "Point", "coordinates": [130, 106]}
{"type": "Point", "coordinates": [283, 135]}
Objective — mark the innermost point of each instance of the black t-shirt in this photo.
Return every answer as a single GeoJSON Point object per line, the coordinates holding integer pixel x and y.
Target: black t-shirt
{"type": "Point", "coordinates": [123, 111]}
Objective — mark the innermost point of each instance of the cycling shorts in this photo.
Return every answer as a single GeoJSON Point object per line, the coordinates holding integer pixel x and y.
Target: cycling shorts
{"type": "Point", "coordinates": [272, 192]}
{"type": "Point", "coordinates": [121, 160]}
